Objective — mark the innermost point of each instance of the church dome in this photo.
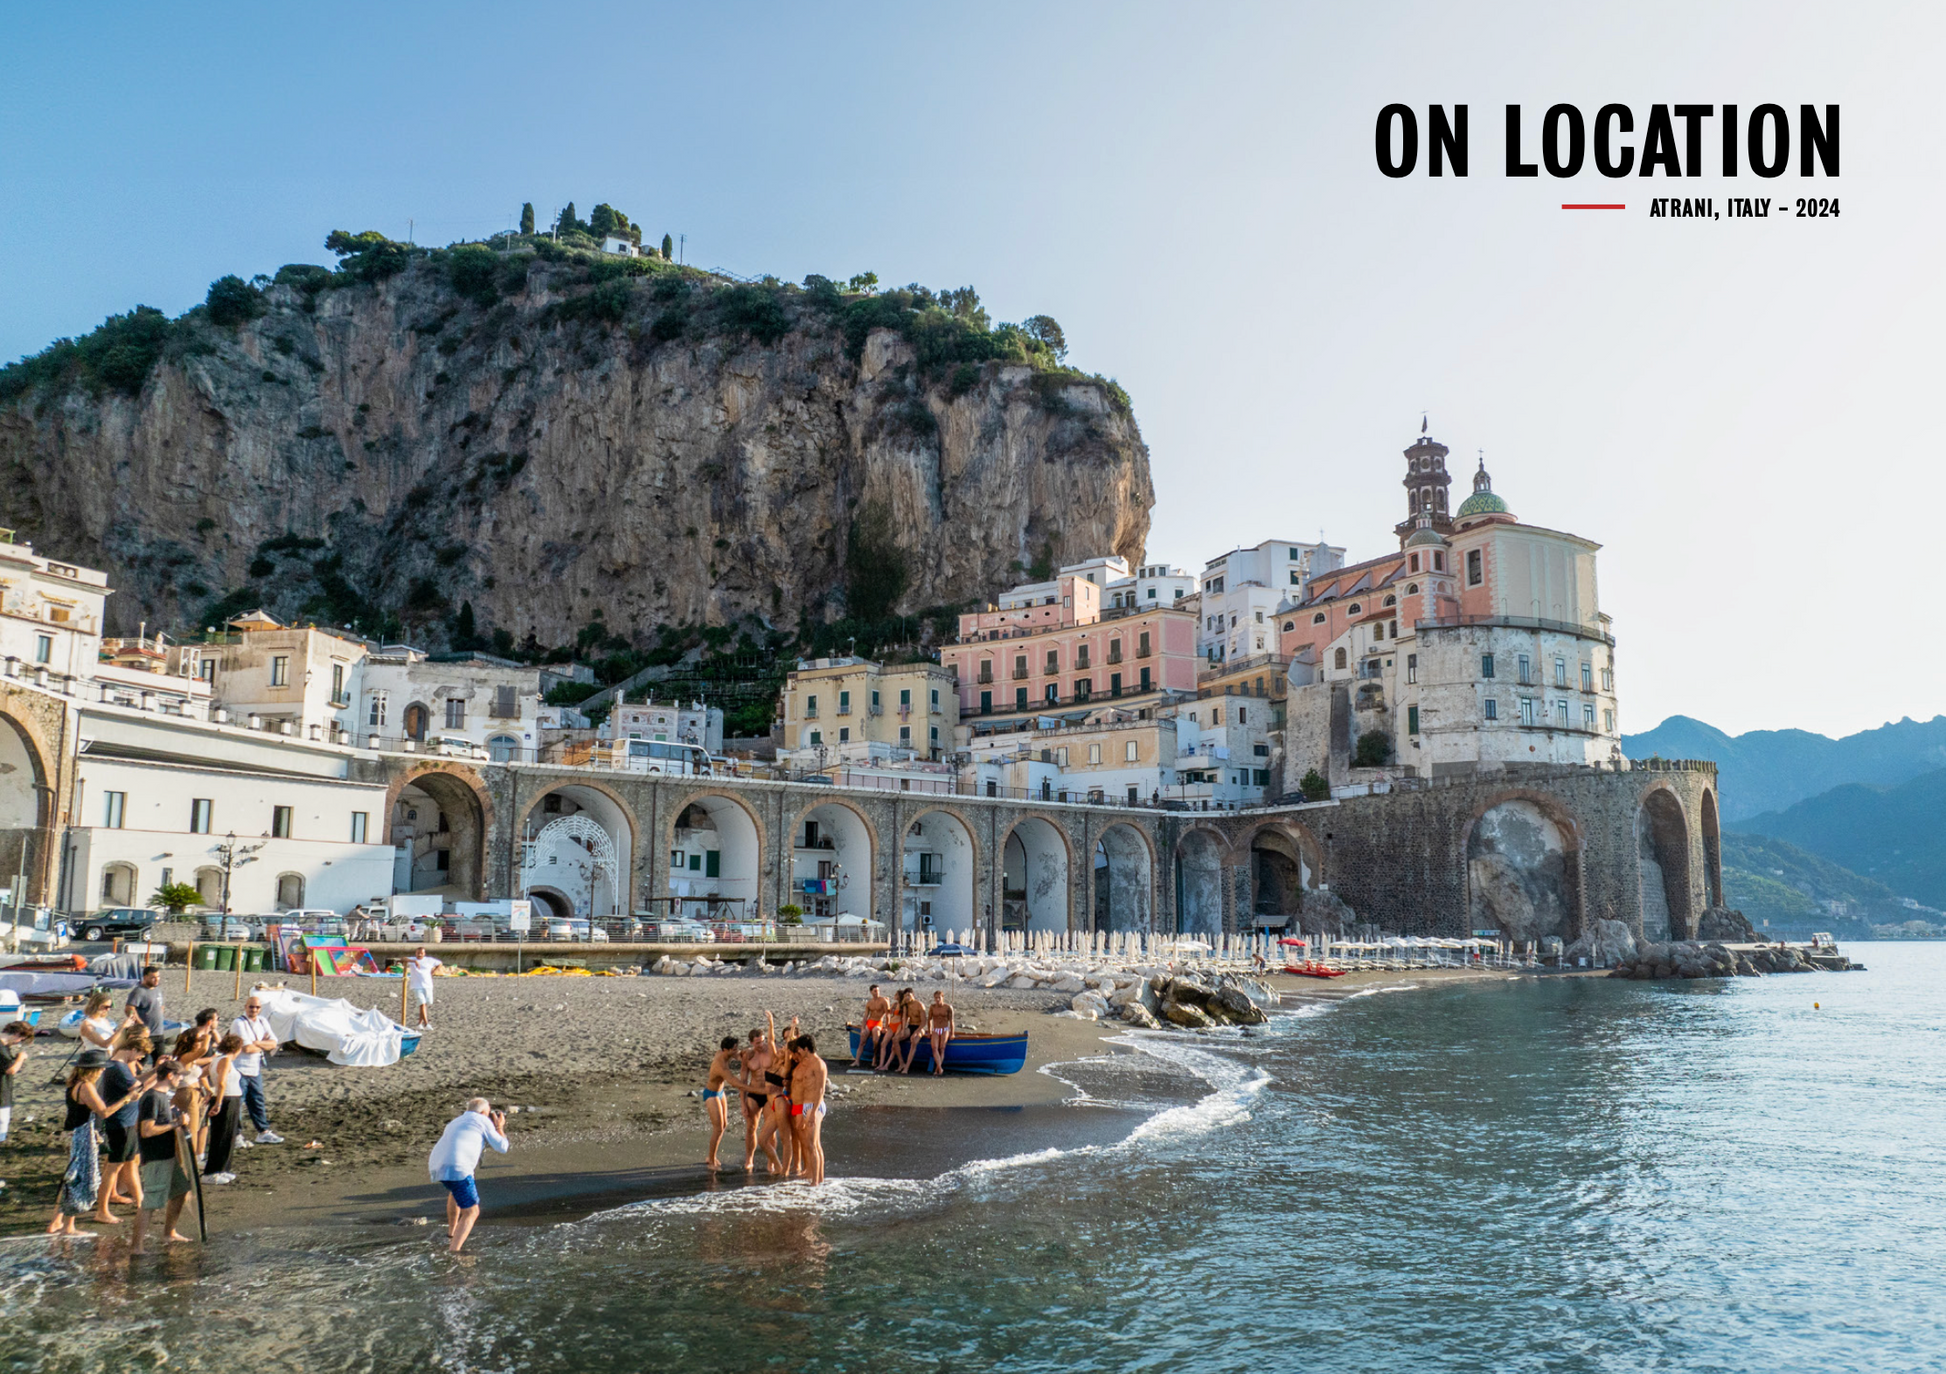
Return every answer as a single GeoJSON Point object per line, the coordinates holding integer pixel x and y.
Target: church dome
{"type": "Point", "coordinates": [1424, 535]}
{"type": "Point", "coordinates": [1481, 503]}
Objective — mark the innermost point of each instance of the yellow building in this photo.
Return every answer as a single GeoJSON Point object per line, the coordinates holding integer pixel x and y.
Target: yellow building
{"type": "Point", "coordinates": [855, 710]}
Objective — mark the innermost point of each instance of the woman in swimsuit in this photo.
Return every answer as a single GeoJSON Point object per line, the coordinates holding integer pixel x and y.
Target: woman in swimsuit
{"type": "Point", "coordinates": [777, 1126]}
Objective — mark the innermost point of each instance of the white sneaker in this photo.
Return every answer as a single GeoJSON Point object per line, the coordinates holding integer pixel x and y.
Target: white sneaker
{"type": "Point", "coordinates": [269, 1138]}
{"type": "Point", "coordinates": [220, 1178]}
{"type": "Point", "coordinates": [244, 1142]}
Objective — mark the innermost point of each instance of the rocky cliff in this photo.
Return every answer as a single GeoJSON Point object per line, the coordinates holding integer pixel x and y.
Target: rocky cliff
{"type": "Point", "coordinates": [553, 440]}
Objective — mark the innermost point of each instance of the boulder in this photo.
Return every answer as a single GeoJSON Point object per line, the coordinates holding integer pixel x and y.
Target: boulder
{"type": "Point", "coordinates": [1021, 980]}
{"type": "Point", "coordinates": [1121, 997]}
{"type": "Point", "coordinates": [1322, 912]}
{"type": "Point", "coordinates": [1190, 1018]}
{"type": "Point", "coordinates": [1091, 1004]}
{"type": "Point", "coordinates": [1068, 982]}
{"type": "Point", "coordinates": [994, 976]}
{"type": "Point", "coordinates": [1135, 1014]}
{"type": "Point", "coordinates": [1726, 923]}
{"type": "Point", "coordinates": [1237, 1008]}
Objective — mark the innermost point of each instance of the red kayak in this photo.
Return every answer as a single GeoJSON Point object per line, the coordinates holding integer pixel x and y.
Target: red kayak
{"type": "Point", "coordinates": [1311, 968]}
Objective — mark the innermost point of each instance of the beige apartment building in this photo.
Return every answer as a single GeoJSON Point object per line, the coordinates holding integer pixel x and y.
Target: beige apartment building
{"type": "Point", "coordinates": [855, 710]}
{"type": "Point", "coordinates": [293, 680]}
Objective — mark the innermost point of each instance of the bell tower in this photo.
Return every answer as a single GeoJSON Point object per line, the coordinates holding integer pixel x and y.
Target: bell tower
{"type": "Point", "coordinates": [1426, 485]}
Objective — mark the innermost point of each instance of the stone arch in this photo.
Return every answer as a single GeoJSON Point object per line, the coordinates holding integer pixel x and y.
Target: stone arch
{"type": "Point", "coordinates": [706, 821]}
{"type": "Point", "coordinates": [290, 891]}
{"type": "Point", "coordinates": [550, 903]}
{"type": "Point", "coordinates": [416, 720]}
{"type": "Point", "coordinates": [1122, 894]}
{"type": "Point", "coordinates": [586, 884]}
{"type": "Point", "coordinates": [1285, 863]}
{"type": "Point", "coordinates": [26, 802]}
{"type": "Point", "coordinates": [838, 859]}
{"type": "Point", "coordinates": [1662, 856]}
{"type": "Point", "coordinates": [1712, 852]}
{"type": "Point", "coordinates": [940, 867]}
{"type": "Point", "coordinates": [446, 846]}
{"type": "Point", "coordinates": [1523, 867]}
{"type": "Point", "coordinates": [209, 884]}
{"type": "Point", "coordinates": [1199, 882]}
{"type": "Point", "coordinates": [120, 885]}
{"type": "Point", "coordinates": [1035, 864]}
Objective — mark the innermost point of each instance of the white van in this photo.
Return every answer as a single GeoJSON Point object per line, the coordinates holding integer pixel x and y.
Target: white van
{"type": "Point", "coordinates": [676, 760]}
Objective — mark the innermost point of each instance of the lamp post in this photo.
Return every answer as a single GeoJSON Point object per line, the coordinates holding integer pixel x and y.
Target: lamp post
{"type": "Point", "coordinates": [233, 858]}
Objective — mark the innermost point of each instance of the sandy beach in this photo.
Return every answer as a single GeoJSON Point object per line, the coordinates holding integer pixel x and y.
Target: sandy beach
{"type": "Point", "coordinates": [606, 1073]}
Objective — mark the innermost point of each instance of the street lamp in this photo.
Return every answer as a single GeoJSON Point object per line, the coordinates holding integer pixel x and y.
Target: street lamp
{"type": "Point", "coordinates": [233, 857]}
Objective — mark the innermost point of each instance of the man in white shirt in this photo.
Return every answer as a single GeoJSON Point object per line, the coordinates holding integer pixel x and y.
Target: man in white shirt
{"type": "Point", "coordinates": [454, 1159]}
{"type": "Point", "coordinates": [258, 1040]}
{"type": "Point", "coordinates": [418, 981]}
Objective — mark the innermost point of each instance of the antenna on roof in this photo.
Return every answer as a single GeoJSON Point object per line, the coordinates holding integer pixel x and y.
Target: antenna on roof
{"type": "Point", "coordinates": [1422, 422]}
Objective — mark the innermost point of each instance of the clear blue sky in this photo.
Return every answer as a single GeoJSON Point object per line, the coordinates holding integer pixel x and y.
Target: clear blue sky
{"type": "Point", "coordinates": [1740, 413]}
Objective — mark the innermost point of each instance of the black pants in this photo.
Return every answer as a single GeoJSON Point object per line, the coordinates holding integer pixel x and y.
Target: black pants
{"type": "Point", "coordinates": [222, 1135]}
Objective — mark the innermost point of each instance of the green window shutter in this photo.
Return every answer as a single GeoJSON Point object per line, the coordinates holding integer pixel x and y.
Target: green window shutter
{"type": "Point", "coordinates": [695, 862]}
{"type": "Point", "coordinates": [712, 863]}
{"type": "Point", "coordinates": [1412, 720]}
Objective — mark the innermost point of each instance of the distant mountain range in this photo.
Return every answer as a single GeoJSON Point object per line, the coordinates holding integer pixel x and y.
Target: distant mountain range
{"type": "Point", "coordinates": [1786, 891]}
{"type": "Point", "coordinates": [1771, 770]}
{"type": "Point", "coordinates": [1893, 835]}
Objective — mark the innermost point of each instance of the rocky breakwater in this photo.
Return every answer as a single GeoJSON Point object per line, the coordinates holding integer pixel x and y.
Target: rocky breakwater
{"type": "Point", "coordinates": [1696, 959]}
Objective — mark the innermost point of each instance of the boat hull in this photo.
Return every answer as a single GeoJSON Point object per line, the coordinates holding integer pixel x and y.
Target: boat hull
{"type": "Point", "coordinates": [966, 1053]}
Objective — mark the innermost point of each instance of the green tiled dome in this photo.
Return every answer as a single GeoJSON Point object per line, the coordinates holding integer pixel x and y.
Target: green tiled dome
{"type": "Point", "coordinates": [1482, 503]}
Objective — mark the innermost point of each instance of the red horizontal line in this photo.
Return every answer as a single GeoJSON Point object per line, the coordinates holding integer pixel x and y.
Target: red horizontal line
{"type": "Point", "coordinates": [1594, 207]}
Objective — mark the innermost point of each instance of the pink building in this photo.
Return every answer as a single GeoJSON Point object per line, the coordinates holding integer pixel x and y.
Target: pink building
{"type": "Point", "coordinates": [1048, 646]}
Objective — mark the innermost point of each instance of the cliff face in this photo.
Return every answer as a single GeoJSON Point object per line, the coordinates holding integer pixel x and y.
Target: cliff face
{"type": "Point", "coordinates": [398, 448]}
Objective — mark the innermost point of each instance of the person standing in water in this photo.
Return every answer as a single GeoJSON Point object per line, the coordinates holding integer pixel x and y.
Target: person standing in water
{"type": "Point", "coordinates": [81, 1184]}
{"type": "Point", "coordinates": [755, 1094]}
{"type": "Point", "coordinates": [939, 1026]}
{"type": "Point", "coordinates": [809, 1077]}
{"type": "Point", "coordinates": [716, 1091]}
{"type": "Point", "coordinates": [778, 1077]}
{"type": "Point", "coordinates": [455, 1158]}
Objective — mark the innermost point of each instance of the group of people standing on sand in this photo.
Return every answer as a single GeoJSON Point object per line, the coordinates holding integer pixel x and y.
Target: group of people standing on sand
{"type": "Point", "coordinates": [781, 1084]}
{"type": "Point", "coordinates": [904, 1023]}
{"type": "Point", "coordinates": [143, 1125]}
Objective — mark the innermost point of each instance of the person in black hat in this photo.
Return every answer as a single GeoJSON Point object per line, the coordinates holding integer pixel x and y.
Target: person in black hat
{"type": "Point", "coordinates": [82, 1182]}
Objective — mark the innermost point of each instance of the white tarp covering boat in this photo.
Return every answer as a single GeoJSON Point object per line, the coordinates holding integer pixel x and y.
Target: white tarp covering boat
{"type": "Point", "coordinates": [57, 982]}
{"type": "Point", "coordinates": [362, 1037]}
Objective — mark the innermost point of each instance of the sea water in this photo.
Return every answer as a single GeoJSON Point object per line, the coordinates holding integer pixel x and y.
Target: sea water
{"type": "Point", "coordinates": [1542, 1173]}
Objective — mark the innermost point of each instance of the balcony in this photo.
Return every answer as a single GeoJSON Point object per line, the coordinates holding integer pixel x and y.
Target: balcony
{"type": "Point", "coordinates": [844, 710]}
{"type": "Point", "coordinates": [1020, 673]}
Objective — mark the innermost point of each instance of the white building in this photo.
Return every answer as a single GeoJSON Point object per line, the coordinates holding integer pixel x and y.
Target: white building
{"type": "Point", "coordinates": [620, 247]}
{"type": "Point", "coordinates": [409, 701]}
{"type": "Point", "coordinates": [1243, 590]}
{"type": "Point", "coordinates": [294, 680]}
{"type": "Point", "coordinates": [669, 722]}
{"type": "Point", "coordinates": [1154, 584]}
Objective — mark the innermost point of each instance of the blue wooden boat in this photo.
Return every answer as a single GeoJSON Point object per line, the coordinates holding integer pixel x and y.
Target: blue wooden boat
{"type": "Point", "coordinates": [966, 1053]}
{"type": "Point", "coordinates": [408, 1043]}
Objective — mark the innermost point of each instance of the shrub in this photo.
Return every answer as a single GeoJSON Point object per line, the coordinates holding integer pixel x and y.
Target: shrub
{"type": "Point", "coordinates": [175, 898]}
{"type": "Point", "coordinates": [1374, 750]}
{"type": "Point", "coordinates": [369, 256]}
{"type": "Point", "coordinates": [1043, 330]}
{"type": "Point", "coordinates": [607, 304]}
{"type": "Point", "coordinates": [1314, 787]}
{"type": "Point", "coordinates": [756, 311]}
{"type": "Point", "coordinates": [232, 301]}
{"type": "Point", "coordinates": [474, 271]}
{"type": "Point", "coordinates": [875, 567]}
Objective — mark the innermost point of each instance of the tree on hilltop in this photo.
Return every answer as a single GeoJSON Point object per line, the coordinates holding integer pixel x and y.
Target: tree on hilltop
{"type": "Point", "coordinates": [1044, 329]}
{"type": "Point", "coordinates": [527, 218]}
{"type": "Point", "coordinates": [233, 301]}
{"type": "Point", "coordinates": [668, 249]}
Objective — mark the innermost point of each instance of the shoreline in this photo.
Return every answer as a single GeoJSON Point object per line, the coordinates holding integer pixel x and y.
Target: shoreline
{"type": "Point", "coordinates": [607, 1073]}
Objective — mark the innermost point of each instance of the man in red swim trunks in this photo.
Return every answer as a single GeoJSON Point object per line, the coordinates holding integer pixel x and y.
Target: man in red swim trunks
{"type": "Point", "coordinates": [808, 1080]}
{"type": "Point", "coordinates": [873, 1033]}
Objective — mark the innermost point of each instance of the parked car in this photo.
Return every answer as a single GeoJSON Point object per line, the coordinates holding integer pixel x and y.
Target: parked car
{"type": "Point", "coordinates": [230, 928]}
{"type": "Point", "coordinates": [120, 922]}
{"type": "Point", "coordinates": [560, 928]}
{"type": "Point", "coordinates": [313, 921]}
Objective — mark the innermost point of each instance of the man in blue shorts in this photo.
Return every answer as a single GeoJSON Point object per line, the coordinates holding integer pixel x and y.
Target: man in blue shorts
{"type": "Point", "coordinates": [456, 1156]}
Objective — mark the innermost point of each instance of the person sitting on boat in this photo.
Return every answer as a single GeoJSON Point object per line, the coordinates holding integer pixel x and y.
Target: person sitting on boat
{"type": "Point", "coordinates": [913, 1012]}
{"type": "Point", "coordinates": [868, 1036]}
{"type": "Point", "coordinates": [939, 1027]}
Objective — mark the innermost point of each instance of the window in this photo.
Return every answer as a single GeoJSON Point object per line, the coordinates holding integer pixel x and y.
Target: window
{"type": "Point", "coordinates": [207, 667]}
{"type": "Point", "coordinates": [116, 804]}
{"type": "Point", "coordinates": [280, 671]}
{"type": "Point", "coordinates": [1061, 757]}
{"type": "Point", "coordinates": [1587, 677]}
{"type": "Point", "coordinates": [905, 698]}
{"type": "Point", "coordinates": [1216, 716]}
{"type": "Point", "coordinates": [1378, 630]}
{"type": "Point", "coordinates": [1142, 646]}
{"type": "Point", "coordinates": [1131, 752]}
{"type": "Point", "coordinates": [1390, 600]}
{"type": "Point", "coordinates": [1295, 579]}
{"type": "Point", "coordinates": [1473, 573]}
{"type": "Point", "coordinates": [359, 820]}
{"type": "Point", "coordinates": [844, 703]}
{"type": "Point", "coordinates": [1492, 709]}
{"type": "Point", "coordinates": [817, 737]}
{"type": "Point", "coordinates": [376, 715]}
{"type": "Point", "coordinates": [455, 713]}
{"type": "Point", "coordinates": [199, 817]}
{"type": "Point", "coordinates": [844, 734]}
{"type": "Point", "coordinates": [1587, 715]}
{"type": "Point", "coordinates": [1561, 714]}
{"type": "Point", "coordinates": [506, 702]}
{"type": "Point", "coordinates": [1318, 619]}
{"type": "Point", "coordinates": [1053, 693]}
{"type": "Point", "coordinates": [1083, 688]}
{"type": "Point", "coordinates": [1526, 669]}
{"type": "Point", "coordinates": [905, 736]}
{"type": "Point", "coordinates": [1354, 608]}
{"type": "Point", "coordinates": [986, 703]}
{"type": "Point", "coordinates": [1560, 672]}
{"type": "Point", "coordinates": [1114, 684]}
{"type": "Point", "coordinates": [1094, 753]}
{"type": "Point", "coordinates": [1526, 710]}
{"type": "Point", "coordinates": [1486, 665]}
{"type": "Point", "coordinates": [875, 701]}
{"type": "Point", "coordinates": [1242, 716]}
{"type": "Point", "coordinates": [1412, 720]}
{"type": "Point", "coordinates": [338, 697]}
{"type": "Point", "coordinates": [1081, 656]}
{"type": "Point", "coordinates": [695, 863]}
{"type": "Point", "coordinates": [1412, 667]}
{"type": "Point", "coordinates": [811, 707]}
{"type": "Point", "coordinates": [1338, 659]}
{"type": "Point", "coordinates": [43, 648]}
{"type": "Point", "coordinates": [1438, 561]}
{"type": "Point", "coordinates": [1152, 593]}
{"type": "Point", "coordinates": [935, 736]}
{"type": "Point", "coordinates": [1020, 698]}
{"type": "Point", "coordinates": [280, 822]}
{"type": "Point", "coordinates": [1607, 679]}
{"type": "Point", "coordinates": [1262, 751]}
{"type": "Point", "coordinates": [1053, 661]}
{"type": "Point", "coordinates": [1114, 651]}
{"type": "Point", "coordinates": [935, 698]}
{"type": "Point", "coordinates": [1608, 722]}
{"type": "Point", "coordinates": [1260, 777]}
{"type": "Point", "coordinates": [290, 889]}
{"type": "Point", "coordinates": [1413, 563]}
{"type": "Point", "coordinates": [1145, 679]}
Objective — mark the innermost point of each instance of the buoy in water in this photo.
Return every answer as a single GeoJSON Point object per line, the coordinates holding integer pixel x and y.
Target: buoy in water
{"type": "Point", "coordinates": [1814, 1006]}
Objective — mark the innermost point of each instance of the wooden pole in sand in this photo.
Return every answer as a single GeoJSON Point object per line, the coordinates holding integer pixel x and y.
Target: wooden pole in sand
{"type": "Point", "coordinates": [405, 979]}
{"type": "Point", "coordinates": [239, 971]}
{"type": "Point", "coordinates": [314, 973]}
{"type": "Point", "coordinates": [188, 967]}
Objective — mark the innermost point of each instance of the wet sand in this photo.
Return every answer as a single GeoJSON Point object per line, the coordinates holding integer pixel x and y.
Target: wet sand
{"type": "Point", "coordinates": [607, 1073]}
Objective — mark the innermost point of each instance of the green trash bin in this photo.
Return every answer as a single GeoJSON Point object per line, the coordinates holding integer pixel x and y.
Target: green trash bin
{"type": "Point", "coordinates": [206, 956]}
{"type": "Point", "coordinates": [253, 958]}
{"type": "Point", "coordinates": [225, 957]}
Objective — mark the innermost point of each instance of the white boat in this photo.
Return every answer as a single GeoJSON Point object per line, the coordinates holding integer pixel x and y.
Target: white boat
{"type": "Point", "coordinates": [361, 1037]}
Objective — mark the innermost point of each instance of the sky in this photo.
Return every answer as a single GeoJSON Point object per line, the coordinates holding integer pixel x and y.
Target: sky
{"type": "Point", "coordinates": [1736, 410]}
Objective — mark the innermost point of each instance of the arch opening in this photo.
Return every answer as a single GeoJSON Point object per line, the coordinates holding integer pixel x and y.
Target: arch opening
{"type": "Point", "coordinates": [1034, 864]}
{"type": "Point", "coordinates": [1280, 875]}
{"type": "Point", "coordinates": [1124, 881]}
{"type": "Point", "coordinates": [1521, 873]}
{"type": "Point", "coordinates": [290, 891]}
{"type": "Point", "coordinates": [119, 884]}
{"type": "Point", "coordinates": [22, 790]}
{"type": "Point", "coordinates": [438, 837]}
{"type": "Point", "coordinates": [1662, 851]}
{"type": "Point", "coordinates": [1712, 853]}
{"type": "Point", "coordinates": [551, 904]}
{"type": "Point", "coordinates": [714, 861]}
{"type": "Point", "coordinates": [1199, 884]}
{"type": "Point", "coordinates": [938, 863]}
{"type": "Point", "coordinates": [578, 842]}
{"type": "Point", "coordinates": [831, 863]}
{"type": "Point", "coordinates": [209, 886]}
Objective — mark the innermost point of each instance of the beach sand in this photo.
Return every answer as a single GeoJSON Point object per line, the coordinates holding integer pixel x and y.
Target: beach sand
{"type": "Point", "coordinates": [606, 1071]}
